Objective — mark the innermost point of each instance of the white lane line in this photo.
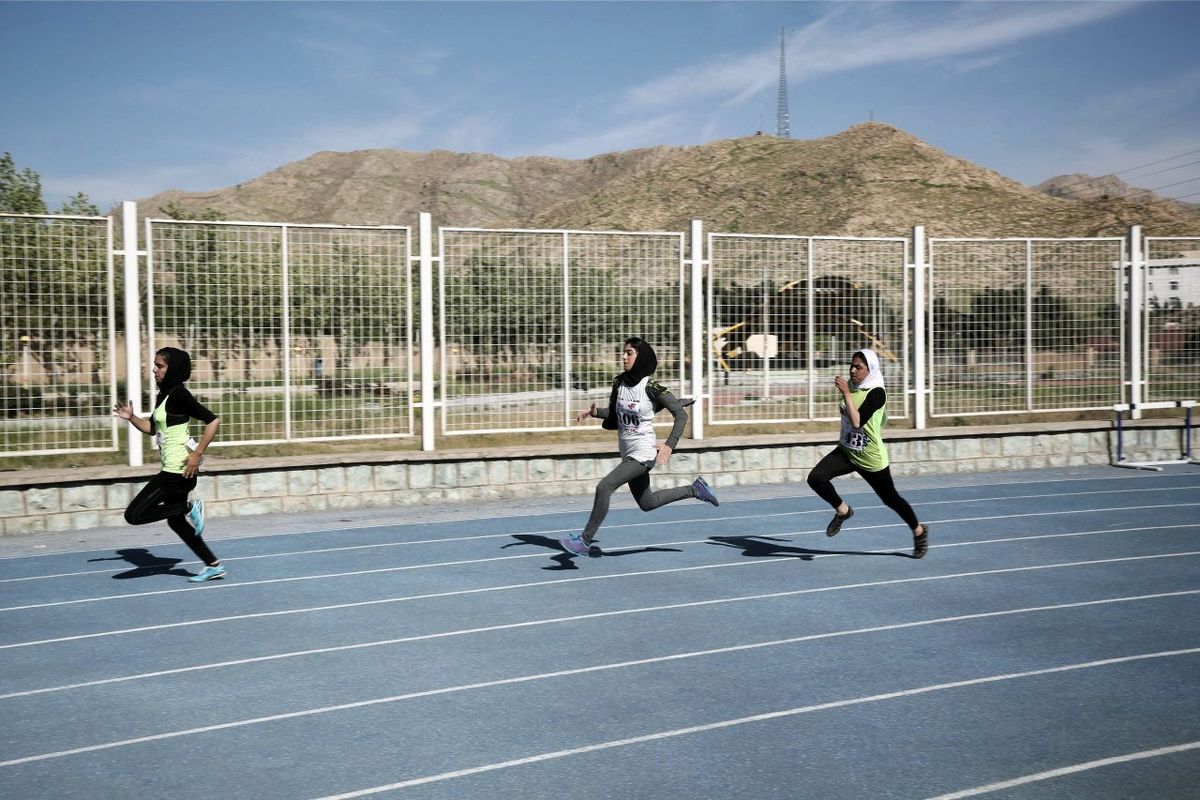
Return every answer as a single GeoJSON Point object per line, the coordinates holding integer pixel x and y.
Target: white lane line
{"type": "Point", "coordinates": [641, 524]}
{"type": "Point", "coordinates": [560, 581]}
{"type": "Point", "coordinates": [1069, 770]}
{"type": "Point", "coordinates": [729, 723]}
{"type": "Point", "coordinates": [471, 538]}
{"type": "Point", "coordinates": [1088, 480]}
{"type": "Point", "coordinates": [582, 618]}
{"type": "Point", "coordinates": [309, 712]}
{"type": "Point", "coordinates": [542, 554]}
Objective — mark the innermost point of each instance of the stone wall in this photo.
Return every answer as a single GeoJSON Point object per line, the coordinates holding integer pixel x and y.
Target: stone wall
{"type": "Point", "coordinates": [36, 501]}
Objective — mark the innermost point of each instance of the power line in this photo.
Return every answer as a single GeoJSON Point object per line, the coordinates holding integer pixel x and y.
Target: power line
{"type": "Point", "coordinates": [1176, 183]}
{"type": "Point", "coordinates": [1167, 169]}
{"type": "Point", "coordinates": [1160, 161]}
{"type": "Point", "coordinates": [1086, 181]}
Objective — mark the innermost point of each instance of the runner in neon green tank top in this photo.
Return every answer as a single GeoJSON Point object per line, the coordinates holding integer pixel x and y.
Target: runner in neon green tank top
{"type": "Point", "coordinates": [166, 495]}
{"type": "Point", "coordinates": [864, 445]}
{"type": "Point", "coordinates": [861, 449]}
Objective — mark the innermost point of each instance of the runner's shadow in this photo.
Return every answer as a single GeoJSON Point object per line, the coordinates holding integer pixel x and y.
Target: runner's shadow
{"type": "Point", "coordinates": [145, 564]}
{"type": "Point", "coordinates": [764, 547]}
{"type": "Point", "coordinates": [564, 560]}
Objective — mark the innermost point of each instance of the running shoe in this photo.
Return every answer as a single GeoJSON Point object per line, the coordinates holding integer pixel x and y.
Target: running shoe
{"type": "Point", "coordinates": [835, 524]}
{"type": "Point", "coordinates": [921, 543]}
{"type": "Point", "coordinates": [704, 491]}
{"type": "Point", "coordinates": [196, 516]}
{"type": "Point", "coordinates": [209, 574]}
{"type": "Point", "coordinates": [575, 543]}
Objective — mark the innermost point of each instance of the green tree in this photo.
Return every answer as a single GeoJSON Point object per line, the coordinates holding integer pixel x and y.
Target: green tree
{"type": "Point", "coordinates": [216, 290]}
{"type": "Point", "coordinates": [54, 281]}
{"type": "Point", "coordinates": [345, 290]}
{"type": "Point", "coordinates": [1055, 323]}
{"type": "Point", "coordinates": [21, 193]}
{"type": "Point", "coordinates": [173, 209]}
{"type": "Point", "coordinates": [998, 319]}
{"type": "Point", "coordinates": [20, 190]}
{"type": "Point", "coordinates": [78, 204]}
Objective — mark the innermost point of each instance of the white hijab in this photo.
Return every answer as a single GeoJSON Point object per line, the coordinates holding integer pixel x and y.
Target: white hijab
{"type": "Point", "coordinates": [874, 371]}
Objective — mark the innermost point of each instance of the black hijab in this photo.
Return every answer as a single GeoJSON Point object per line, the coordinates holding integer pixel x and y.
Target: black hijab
{"type": "Point", "coordinates": [644, 365]}
{"type": "Point", "coordinates": [179, 369]}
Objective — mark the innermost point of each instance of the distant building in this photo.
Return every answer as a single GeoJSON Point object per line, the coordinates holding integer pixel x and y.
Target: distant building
{"type": "Point", "coordinates": [1174, 282]}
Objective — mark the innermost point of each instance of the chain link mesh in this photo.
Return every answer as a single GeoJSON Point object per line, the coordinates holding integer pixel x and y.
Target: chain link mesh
{"type": "Point", "coordinates": [1024, 325]}
{"type": "Point", "coordinates": [295, 332]}
{"type": "Point", "coordinates": [532, 322]}
{"type": "Point", "coordinates": [1172, 317]}
{"type": "Point", "coordinates": [769, 362]}
{"type": "Point", "coordinates": [57, 335]}
{"type": "Point", "coordinates": [304, 332]}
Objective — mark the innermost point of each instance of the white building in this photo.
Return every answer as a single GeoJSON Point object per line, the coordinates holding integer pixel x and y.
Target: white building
{"type": "Point", "coordinates": [1174, 282]}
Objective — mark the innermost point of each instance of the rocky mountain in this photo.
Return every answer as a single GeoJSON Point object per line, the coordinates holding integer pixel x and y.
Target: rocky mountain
{"type": "Point", "coordinates": [1077, 186]}
{"type": "Point", "coordinates": [390, 187]}
{"type": "Point", "coordinates": [870, 180]}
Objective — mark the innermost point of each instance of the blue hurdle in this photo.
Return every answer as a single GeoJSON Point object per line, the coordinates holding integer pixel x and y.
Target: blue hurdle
{"type": "Point", "coordinates": [1185, 457]}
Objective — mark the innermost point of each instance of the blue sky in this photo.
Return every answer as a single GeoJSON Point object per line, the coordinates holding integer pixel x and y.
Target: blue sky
{"type": "Point", "coordinates": [122, 100]}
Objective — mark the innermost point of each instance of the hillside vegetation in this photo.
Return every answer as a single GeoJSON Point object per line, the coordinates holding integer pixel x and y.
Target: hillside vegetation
{"type": "Point", "coordinates": [870, 180]}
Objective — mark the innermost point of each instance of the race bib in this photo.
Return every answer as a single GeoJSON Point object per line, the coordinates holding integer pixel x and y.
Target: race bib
{"type": "Point", "coordinates": [629, 420]}
{"type": "Point", "coordinates": [852, 438]}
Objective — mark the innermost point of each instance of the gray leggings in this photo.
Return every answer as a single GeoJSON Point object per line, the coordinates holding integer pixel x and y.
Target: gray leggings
{"type": "Point", "coordinates": [637, 475]}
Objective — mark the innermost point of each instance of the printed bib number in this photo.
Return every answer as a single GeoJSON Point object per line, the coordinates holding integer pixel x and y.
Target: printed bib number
{"type": "Point", "coordinates": [852, 438]}
{"type": "Point", "coordinates": [629, 420]}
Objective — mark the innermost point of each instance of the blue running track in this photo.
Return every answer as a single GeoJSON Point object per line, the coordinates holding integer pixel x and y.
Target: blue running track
{"type": "Point", "coordinates": [1047, 647]}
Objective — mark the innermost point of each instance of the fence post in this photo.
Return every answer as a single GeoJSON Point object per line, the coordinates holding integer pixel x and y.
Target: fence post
{"type": "Point", "coordinates": [699, 328]}
{"type": "Point", "coordinates": [1030, 350]}
{"type": "Point", "coordinates": [286, 292]}
{"type": "Point", "coordinates": [919, 354]}
{"type": "Point", "coordinates": [1136, 263]}
{"type": "Point", "coordinates": [133, 336]}
{"type": "Point", "coordinates": [566, 328]}
{"type": "Point", "coordinates": [425, 256]}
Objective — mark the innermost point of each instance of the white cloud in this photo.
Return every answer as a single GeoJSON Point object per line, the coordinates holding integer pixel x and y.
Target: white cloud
{"type": "Point", "coordinates": [341, 18]}
{"type": "Point", "coordinates": [394, 131]}
{"type": "Point", "coordinates": [108, 189]}
{"type": "Point", "coordinates": [859, 35]}
{"type": "Point", "coordinates": [1163, 97]}
{"type": "Point", "coordinates": [224, 167]}
{"type": "Point", "coordinates": [474, 133]}
{"type": "Point", "coordinates": [964, 65]}
{"type": "Point", "coordinates": [621, 136]}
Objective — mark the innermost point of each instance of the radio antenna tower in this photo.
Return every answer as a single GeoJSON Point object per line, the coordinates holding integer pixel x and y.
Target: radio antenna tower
{"type": "Point", "coordinates": [782, 126]}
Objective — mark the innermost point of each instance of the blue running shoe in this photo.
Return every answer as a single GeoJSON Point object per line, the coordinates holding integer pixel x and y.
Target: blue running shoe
{"type": "Point", "coordinates": [575, 543]}
{"type": "Point", "coordinates": [704, 491]}
{"type": "Point", "coordinates": [196, 516]}
{"type": "Point", "coordinates": [209, 574]}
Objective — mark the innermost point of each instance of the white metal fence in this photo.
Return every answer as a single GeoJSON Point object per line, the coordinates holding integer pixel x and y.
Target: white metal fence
{"type": "Point", "coordinates": [306, 332]}
{"type": "Point", "coordinates": [297, 332]}
{"type": "Point", "coordinates": [786, 313]}
{"type": "Point", "coordinates": [1171, 330]}
{"type": "Point", "coordinates": [1025, 325]}
{"type": "Point", "coordinates": [532, 321]}
{"type": "Point", "coordinates": [57, 334]}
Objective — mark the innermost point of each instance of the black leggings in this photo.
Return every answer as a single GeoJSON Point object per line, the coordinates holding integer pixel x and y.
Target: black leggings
{"type": "Point", "coordinates": [838, 463]}
{"type": "Point", "coordinates": [637, 475]}
{"type": "Point", "coordinates": [165, 497]}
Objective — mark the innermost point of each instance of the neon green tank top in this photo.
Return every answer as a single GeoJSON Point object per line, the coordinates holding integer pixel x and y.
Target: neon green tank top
{"type": "Point", "coordinates": [864, 445]}
{"type": "Point", "coordinates": [172, 440]}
